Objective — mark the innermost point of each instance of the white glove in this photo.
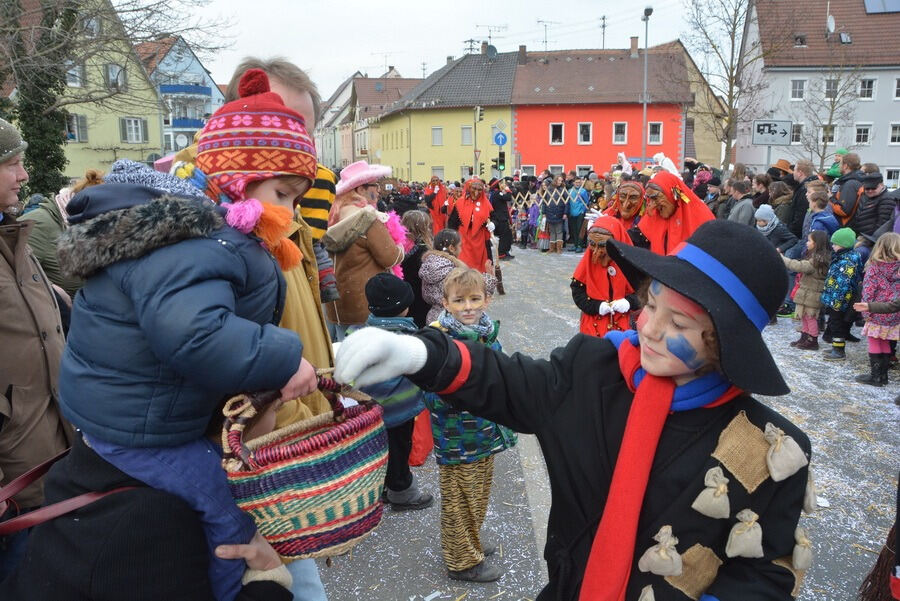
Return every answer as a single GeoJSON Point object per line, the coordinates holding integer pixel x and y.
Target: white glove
{"type": "Point", "coordinates": [370, 355]}
{"type": "Point", "coordinates": [605, 309]}
{"type": "Point", "coordinates": [490, 226]}
{"type": "Point", "coordinates": [620, 305]}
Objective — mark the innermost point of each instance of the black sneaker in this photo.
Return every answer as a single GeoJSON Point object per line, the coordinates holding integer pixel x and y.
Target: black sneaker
{"type": "Point", "coordinates": [482, 572]}
{"type": "Point", "coordinates": [785, 310]}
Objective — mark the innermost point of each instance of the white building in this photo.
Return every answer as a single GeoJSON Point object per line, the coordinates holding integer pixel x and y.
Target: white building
{"type": "Point", "coordinates": [835, 76]}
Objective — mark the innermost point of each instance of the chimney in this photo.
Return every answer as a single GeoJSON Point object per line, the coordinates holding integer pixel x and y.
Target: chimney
{"type": "Point", "coordinates": [522, 57]}
{"type": "Point", "coordinates": [484, 46]}
{"type": "Point", "coordinates": [449, 59]}
{"type": "Point", "coordinates": [634, 46]}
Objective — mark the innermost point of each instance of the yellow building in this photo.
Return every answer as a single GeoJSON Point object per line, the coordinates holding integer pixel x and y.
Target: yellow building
{"type": "Point", "coordinates": [126, 125]}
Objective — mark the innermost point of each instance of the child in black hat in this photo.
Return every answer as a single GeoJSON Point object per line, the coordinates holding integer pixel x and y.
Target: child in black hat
{"type": "Point", "coordinates": [389, 300]}
{"type": "Point", "coordinates": [649, 435]}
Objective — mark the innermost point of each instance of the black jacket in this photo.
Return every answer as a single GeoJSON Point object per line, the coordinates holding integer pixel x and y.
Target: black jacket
{"type": "Point", "coordinates": [500, 206]}
{"type": "Point", "coordinates": [140, 545]}
{"type": "Point", "coordinates": [782, 238]}
{"type": "Point", "coordinates": [848, 186]}
{"type": "Point", "coordinates": [577, 403]}
{"type": "Point", "coordinates": [799, 206]}
{"type": "Point", "coordinates": [872, 213]}
{"type": "Point", "coordinates": [410, 266]}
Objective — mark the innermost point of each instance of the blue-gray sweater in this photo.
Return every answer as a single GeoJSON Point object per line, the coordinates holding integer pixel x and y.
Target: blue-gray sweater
{"type": "Point", "coordinates": [178, 311]}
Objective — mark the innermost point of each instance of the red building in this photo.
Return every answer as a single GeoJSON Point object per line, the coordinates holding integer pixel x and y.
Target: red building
{"type": "Point", "coordinates": [577, 109]}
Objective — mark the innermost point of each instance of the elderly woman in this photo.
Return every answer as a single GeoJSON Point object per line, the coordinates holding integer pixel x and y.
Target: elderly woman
{"type": "Point", "coordinates": [673, 213]}
{"type": "Point", "coordinates": [360, 243]}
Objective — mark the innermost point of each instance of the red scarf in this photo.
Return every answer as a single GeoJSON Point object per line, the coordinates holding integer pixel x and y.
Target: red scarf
{"type": "Point", "coordinates": [609, 564]}
{"type": "Point", "coordinates": [690, 213]}
{"type": "Point", "coordinates": [600, 285]}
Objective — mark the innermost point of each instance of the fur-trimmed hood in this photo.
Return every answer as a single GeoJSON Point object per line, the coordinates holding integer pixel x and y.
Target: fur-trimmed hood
{"type": "Point", "coordinates": [133, 232]}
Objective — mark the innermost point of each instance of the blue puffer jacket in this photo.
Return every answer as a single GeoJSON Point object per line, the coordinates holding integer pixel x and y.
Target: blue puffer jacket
{"type": "Point", "coordinates": [178, 311]}
{"type": "Point", "coordinates": [844, 277]}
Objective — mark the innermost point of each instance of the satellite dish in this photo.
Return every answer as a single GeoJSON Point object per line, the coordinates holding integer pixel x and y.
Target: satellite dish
{"type": "Point", "coordinates": [181, 140]}
{"type": "Point", "coordinates": [829, 24]}
{"type": "Point", "coordinates": [491, 52]}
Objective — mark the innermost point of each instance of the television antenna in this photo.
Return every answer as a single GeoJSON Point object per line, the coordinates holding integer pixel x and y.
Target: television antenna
{"type": "Point", "coordinates": [546, 24]}
{"type": "Point", "coordinates": [491, 29]}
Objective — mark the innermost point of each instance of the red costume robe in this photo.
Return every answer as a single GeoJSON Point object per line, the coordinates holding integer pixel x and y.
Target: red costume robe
{"type": "Point", "coordinates": [690, 212]}
{"type": "Point", "coordinates": [438, 218]}
{"type": "Point", "coordinates": [604, 283]}
{"type": "Point", "coordinates": [474, 215]}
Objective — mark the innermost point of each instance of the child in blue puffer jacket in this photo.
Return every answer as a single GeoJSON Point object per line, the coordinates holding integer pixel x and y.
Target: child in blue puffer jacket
{"type": "Point", "coordinates": [841, 287]}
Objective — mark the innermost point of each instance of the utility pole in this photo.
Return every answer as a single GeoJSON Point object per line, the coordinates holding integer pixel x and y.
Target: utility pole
{"type": "Point", "coordinates": [470, 45]}
{"type": "Point", "coordinates": [491, 29]}
{"type": "Point", "coordinates": [646, 19]}
{"type": "Point", "coordinates": [603, 27]}
{"type": "Point", "coordinates": [546, 24]}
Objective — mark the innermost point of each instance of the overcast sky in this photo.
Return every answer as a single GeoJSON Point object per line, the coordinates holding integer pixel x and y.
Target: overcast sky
{"type": "Point", "coordinates": [332, 39]}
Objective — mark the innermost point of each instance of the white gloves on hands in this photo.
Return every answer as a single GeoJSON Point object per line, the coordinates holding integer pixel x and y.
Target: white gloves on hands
{"type": "Point", "coordinates": [605, 309]}
{"type": "Point", "coordinates": [370, 355]}
{"type": "Point", "coordinates": [490, 226]}
{"type": "Point", "coordinates": [620, 305]}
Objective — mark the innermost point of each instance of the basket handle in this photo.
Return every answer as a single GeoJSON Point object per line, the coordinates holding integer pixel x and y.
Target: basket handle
{"type": "Point", "coordinates": [240, 409]}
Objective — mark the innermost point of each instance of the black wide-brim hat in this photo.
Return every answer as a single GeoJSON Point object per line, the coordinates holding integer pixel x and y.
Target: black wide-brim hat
{"type": "Point", "coordinates": [733, 272]}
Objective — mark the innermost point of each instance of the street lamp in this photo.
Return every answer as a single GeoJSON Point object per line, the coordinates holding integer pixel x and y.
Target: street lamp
{"type": "Point", "coordinates": [646, 19]}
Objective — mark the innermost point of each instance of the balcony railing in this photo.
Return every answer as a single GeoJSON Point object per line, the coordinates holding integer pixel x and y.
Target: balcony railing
{"type": "Point", "coordinates": [184, 123]}
{"type": "Point", "coordinates": [185, 89]}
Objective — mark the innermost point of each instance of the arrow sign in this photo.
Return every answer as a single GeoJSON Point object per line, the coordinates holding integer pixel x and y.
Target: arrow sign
{"type": "Point", "coordinates": [768, 132]}
{"type": "Point", "coordinates": [500, 138]}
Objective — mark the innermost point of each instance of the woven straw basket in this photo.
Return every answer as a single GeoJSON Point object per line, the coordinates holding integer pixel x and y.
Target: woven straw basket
{"type": "Point", "coordinates": [313, 487]}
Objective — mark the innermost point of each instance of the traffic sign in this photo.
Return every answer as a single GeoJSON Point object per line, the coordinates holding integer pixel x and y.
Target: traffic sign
{"type": "Point", "coordinates": [772, 133]}
{"type": "Point", "coordinates": [500, 138]}
{"type": "Point", "coordinates": [477, 154]}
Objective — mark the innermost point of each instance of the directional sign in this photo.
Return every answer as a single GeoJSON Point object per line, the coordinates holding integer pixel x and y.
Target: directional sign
{"type": "Point", "coordinates": [500, 138]}
{"type": "Point", "coordinates": [477, 154]}
{"type": "Point", "coordinates": [772, 133]}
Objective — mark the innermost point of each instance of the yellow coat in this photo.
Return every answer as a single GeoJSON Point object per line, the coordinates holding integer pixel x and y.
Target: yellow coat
{"type": "Point", "coordinates": [303, 314]}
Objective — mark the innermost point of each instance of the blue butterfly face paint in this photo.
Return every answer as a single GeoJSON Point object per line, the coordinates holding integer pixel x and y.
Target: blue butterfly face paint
{"type": "Point", "coordinates": [687, 354]}
{"type": "Point", "coordinates": [655, 287]}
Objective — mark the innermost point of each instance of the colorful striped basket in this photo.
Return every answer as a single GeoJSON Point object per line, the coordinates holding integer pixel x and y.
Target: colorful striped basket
{"type": "Point", "coordinates": [314, 487]}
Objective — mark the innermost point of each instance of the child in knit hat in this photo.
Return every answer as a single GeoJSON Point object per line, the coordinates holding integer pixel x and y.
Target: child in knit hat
{"type": "Point", "coordinates": [841, 287]}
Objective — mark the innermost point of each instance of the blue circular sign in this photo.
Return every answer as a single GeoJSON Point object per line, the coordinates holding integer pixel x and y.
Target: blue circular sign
{"type": "Point", "coordinates": [500, 138]}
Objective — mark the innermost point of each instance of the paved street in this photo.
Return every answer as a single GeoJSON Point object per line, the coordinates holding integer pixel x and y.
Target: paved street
{"type": "Point", "coordinates": [853, 428]}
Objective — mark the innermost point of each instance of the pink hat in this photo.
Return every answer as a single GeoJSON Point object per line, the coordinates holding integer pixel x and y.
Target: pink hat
{"type": "Point", "coordinates": [359, 173]}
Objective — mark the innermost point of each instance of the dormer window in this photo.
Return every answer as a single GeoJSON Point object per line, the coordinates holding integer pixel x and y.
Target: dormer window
{"type": "Point", "coordinates": [845, 38]}
{"type": "Point", "coordinates": [799, 40]}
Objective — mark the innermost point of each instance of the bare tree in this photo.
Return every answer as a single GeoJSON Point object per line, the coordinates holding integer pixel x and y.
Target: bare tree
{"type": "Point", "coordinates": [731, 65]}
{"type": "Point", "coordinates": [828, 101]}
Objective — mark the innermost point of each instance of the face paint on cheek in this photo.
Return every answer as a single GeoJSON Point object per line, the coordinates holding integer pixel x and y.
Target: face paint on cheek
{"type": "Point", "coordinates": [655, 287]}
{"type": "Point", "coordinates": [642, 320]}
{"type": "Point", "coordinates": [682, 349]}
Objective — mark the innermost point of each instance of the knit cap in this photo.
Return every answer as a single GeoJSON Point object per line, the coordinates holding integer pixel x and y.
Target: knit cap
{"type": "Point", "coordinates": [844, 237]}
{"type": "Point", "coordinates": [126, 171]}
{"type": "Point", "coordinates": [254, 138]}
{"type": "Point", "coordinates": [388, 295]}
{"type": "Point", "coordinates": [11, 142]}
{"type": "Point", "coordinates": [765, 213]}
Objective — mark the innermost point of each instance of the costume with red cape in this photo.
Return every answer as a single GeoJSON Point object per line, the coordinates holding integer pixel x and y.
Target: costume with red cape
{"type": "Point", "coordinates": [604, 282]}
{"type": "Point", "coordinates": [474, 215]}
{"type": "Point", "coordinates": [438, 218]}
{"type": "Point", "coordinates": [615, 209]}
{"type": "Point", "coordinates": [690, 212]}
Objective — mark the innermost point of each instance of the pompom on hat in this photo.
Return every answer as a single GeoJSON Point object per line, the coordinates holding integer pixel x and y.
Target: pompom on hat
{"type": "Point", "coordinates": [360, 173]}
{"type": "Point", "coordinates": [254, 138]}
{"type": "Point", "coordinates": [738, 277]}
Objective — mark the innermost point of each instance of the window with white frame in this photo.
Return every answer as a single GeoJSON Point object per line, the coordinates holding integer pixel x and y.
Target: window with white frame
{"type": "Point", "coordinates": [654, 132]}
{"type": "Point", "coordinates": [115, 77]}
{"type": "Point", "coordinates": [796, 133]}
{"type": "Point", "coordinates": [556, 169]}
{"type": "Point", "coordinates": [76, 128]}
{"type": "Point", "coordinates": [892, 177]}
{"type": "Point", "coordinates": [167, 142]}
{"type": "Point", "coordinates": [557, 134]}
{"type": "Point", "coordinates": [620, 132]}
{"type": "Point", "coordinates": [466, 171]}
{"type": "Point", "coordinates": [863, 133]}
{"type": "Point", "coordinates": [527, 169]}
{"type": "Point", "coordinates": [585, 133]}
{"type": "Point", "coordinates": [437, 172]}
{"type": "Point", "coordinates": [897, 89]}
{"type": "Point", "coordinates": [133, 130]}
{"type": "Point", "coordinates": [866, 89]}
{"type": "Point", "coordinates": [466, 135]}
{"type": "Point", "coordinates": [831, 88]}
{"type": "Point", "coordinates": [437, 136]}
{"type": "Point", "coordinates": [895, 133]}
{"type": "Point", "coordinates": [75, 75]}
{"type": "Point", "coordinates": [798, 89]}
{"type": "Point", "coordinates": [91, 27]}
{"type": "Point", "coordinates": [827, 134]}
{"type": "Point", "coordinates": [583, 170]}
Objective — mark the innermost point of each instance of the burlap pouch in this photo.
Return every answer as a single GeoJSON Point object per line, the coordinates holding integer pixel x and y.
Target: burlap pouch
{"type": "Point", "coordinates": [809, 497]}
{"type": "Point", "coordinates": [784, 457]}
{"type": "Point", "coordinates": [662, 559]}
{"type": "Point", "coordinates": [713, 500]}
{"type": "Point", "coordinates": [745, 538]}
{"type": "Point", "coordinates": [802, 557]}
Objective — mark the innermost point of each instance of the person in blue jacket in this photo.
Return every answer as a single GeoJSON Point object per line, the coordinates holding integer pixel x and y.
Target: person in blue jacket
{"type": "Point", "coordinates": [579, 198]}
